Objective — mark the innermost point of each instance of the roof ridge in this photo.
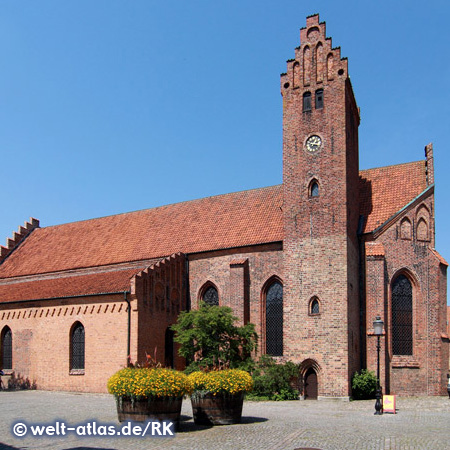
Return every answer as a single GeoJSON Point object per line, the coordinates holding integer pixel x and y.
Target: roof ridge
{"type": "Point", "coordinates": [392, 165]}
{"type": "Point", "coordinates": [165, 206]}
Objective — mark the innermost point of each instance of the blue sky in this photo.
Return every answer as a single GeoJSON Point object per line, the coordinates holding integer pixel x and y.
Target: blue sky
{"type": "Point", "coordinates": [111, 106]}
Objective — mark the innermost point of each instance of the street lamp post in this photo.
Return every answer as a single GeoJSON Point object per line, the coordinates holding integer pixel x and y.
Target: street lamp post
{"type": "Point", "coordinates": [378, 331]}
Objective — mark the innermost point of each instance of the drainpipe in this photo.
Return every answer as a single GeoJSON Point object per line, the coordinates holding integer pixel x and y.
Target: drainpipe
{"type": "Point", "coordinates": [129, 326]}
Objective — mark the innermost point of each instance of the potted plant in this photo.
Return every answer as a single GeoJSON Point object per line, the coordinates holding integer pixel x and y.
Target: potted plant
{"type": "Point", "coordinates": [144, 393]}
{"type": "Point", "coordinates": [217, 397]}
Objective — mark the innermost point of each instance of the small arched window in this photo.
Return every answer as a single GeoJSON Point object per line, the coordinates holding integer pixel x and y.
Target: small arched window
{"type": "Point", "coordinates": [314, 306]}
{"type": "Point", "coordinates": [307, 101]}
{"type": "Point", "coordinates": [319, 99]}
{"type": "Point", "coordinates": [402, 316]}
{"type": "Point", "coordinates": [6, 349]}
{"type": "Point", "coordinates": [77, 347]}
{"type": "Point", "coordinates": [211, 296]}
{"type": "Point", "coordinates": [314, 189]}
{"type": "Point", "coordinates": [274, 319]}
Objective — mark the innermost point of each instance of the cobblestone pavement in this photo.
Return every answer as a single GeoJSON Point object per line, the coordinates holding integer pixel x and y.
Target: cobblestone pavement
{"type": "Point", "coordinates": [420, 424]}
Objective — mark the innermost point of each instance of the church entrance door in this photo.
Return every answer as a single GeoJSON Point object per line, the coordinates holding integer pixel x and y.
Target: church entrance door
{"type": "Point", "coordinates": [311, 386]}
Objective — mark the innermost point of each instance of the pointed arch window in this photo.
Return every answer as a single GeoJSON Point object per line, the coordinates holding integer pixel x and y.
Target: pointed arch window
{"type": "Point", "coordinates": [314, 188]}
{"type": "Point", "coordinates": [402, 316]}
{"type": "Point", "coordinates": [77, 347]}
{"type": "Point", "coordinates": [314, 306]}
{"type": "Point", "coordinates": [211, 296]}
{"type": "Point", "coordinates": [274, 319]}
{"type": "Point", "coordinates": [6, 349]}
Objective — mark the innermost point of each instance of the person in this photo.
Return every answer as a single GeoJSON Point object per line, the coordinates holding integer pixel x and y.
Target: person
{"type": "Point", "coordinates": [2, 386]}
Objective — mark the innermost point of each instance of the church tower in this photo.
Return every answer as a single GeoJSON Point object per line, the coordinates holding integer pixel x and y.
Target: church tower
{"type": "Point", "coordinates": [321, 213]}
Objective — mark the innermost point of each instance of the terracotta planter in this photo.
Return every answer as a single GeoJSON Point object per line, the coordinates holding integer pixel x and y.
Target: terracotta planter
{"type": "Point", "coordinates": [220, 409]}
{"type": "Point", "coordinates": [157, 408]}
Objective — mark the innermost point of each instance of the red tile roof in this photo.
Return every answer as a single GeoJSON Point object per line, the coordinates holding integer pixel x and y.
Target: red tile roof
{"type": "Point", "coordinates": [98, 283]}
{"type": "Point", "coordinates": [225, 221]}
{"type": "Point", "coordinates": [439, 257]}
{"type": "Point", "coordinates": [374, 249]}
{"type": "Point", "coordinates": [386, 190]}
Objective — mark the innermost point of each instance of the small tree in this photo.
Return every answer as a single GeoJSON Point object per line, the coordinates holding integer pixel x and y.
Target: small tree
{"type": "Point", "coordinates": [209, 338]}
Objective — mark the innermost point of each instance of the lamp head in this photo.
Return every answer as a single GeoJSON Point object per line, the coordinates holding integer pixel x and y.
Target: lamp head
{"type": "Point", "coordinates": [378, 326]}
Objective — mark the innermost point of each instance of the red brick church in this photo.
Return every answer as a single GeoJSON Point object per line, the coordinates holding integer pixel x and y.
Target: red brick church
{"type": "Point", "coordinates": [311, 262]}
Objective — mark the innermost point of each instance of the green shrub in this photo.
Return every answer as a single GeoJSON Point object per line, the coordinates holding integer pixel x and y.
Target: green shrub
{"type": "Point", "coordinates": [209, 339]}
{"type": "Point", "coordinates": [364, 385]}
{"type": "Point", "coordinates": [272, 381]}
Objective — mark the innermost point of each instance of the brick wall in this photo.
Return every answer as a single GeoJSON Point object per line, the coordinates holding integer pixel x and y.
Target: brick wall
{"type": "Point", "coordinates": [240, 276]}
{"type": "Point", "coordinates": [41, 340]}
{"type": "Point", "coordinates": [423, 372]}
{"type": "Point", "coordinates": [320, 247]}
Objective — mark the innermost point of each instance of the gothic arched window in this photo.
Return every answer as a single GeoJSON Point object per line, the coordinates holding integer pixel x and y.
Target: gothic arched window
{"type": "Point", "coordinates": [314, 306]}
{"type": "Point", "coordinates": [402, 316]}
{"type": "Point", "coordinates": [274, 319]}
{"type": "Point", "coordinates": [211, 296]}
{"type": "Point", "coordinates": [314, 189]}
{"type": "Point", "coordinates": [6, 349]}
{"type": "Point", "coordinates": [77, 344]}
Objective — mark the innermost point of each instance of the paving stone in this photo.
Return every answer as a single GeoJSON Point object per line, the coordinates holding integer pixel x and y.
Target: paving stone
{"type": "Point", "coordinates": [420, 424]}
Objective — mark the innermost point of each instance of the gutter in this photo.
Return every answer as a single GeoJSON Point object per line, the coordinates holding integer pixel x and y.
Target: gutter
{"type": "Point", "coordinates": [129, 327]}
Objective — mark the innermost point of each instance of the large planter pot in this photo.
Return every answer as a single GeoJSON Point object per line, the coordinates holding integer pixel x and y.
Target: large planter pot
{"type": "Point", "coordinates": [156, 408]}
{"type": "Point", "coordinates": [219, 409]}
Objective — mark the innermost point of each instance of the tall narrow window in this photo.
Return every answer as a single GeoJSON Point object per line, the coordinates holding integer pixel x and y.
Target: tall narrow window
{"type": "Point", "coordinates": [6, 349]}
{"type": "Point", "coordinates": [402, 335]}
{"type": "Point", "coordinates": [307, 101]}
{"type": "Point", "coordinates": [211, 296]}
{"type": "Point", "coordinates": [274, 319]}
{"type": "Point", "coordinates": [77, 347]}
{"type": "Point", "coordinates": [319, 99]}
{"type": "Point", "coordinates": [168, 348]}
{"type": "Point", "coordinates": [314, 189]}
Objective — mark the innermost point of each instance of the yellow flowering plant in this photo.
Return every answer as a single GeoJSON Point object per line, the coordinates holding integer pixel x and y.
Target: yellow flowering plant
{"type": "Point", "coordinates": [142, 382]}
{"type": "Point", "coordinates": [228, 382]}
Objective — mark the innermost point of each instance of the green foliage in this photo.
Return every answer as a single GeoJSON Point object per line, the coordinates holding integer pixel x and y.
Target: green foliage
{"type": "Point", "coordinates": [272, 381]}
{"type": "Point", "coordinates": [364, 385]}
{"type": "Point", "coordinates": [209, 338]}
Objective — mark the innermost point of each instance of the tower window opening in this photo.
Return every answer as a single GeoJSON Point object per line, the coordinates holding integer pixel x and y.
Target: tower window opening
{"type": "Point", "coordinates": [319, 99]}
{"type": "Point", "coordinates": [307, 101]}
{"type": "Point", "coordinates": [314, 189]}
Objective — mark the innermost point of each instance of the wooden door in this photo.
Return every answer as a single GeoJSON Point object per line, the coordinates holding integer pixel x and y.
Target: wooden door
{"type": "Point", "coordinates": [311, 386]}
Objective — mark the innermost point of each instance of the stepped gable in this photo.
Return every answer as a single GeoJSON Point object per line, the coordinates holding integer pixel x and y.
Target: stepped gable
{"type": "Point", "coordinates": [17, 238]}
{"type": "Point", "coordinates": [386, 190]}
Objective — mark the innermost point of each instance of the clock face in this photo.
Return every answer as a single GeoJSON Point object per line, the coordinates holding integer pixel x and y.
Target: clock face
{"type": "Point", "coordinates": [313, 143]}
